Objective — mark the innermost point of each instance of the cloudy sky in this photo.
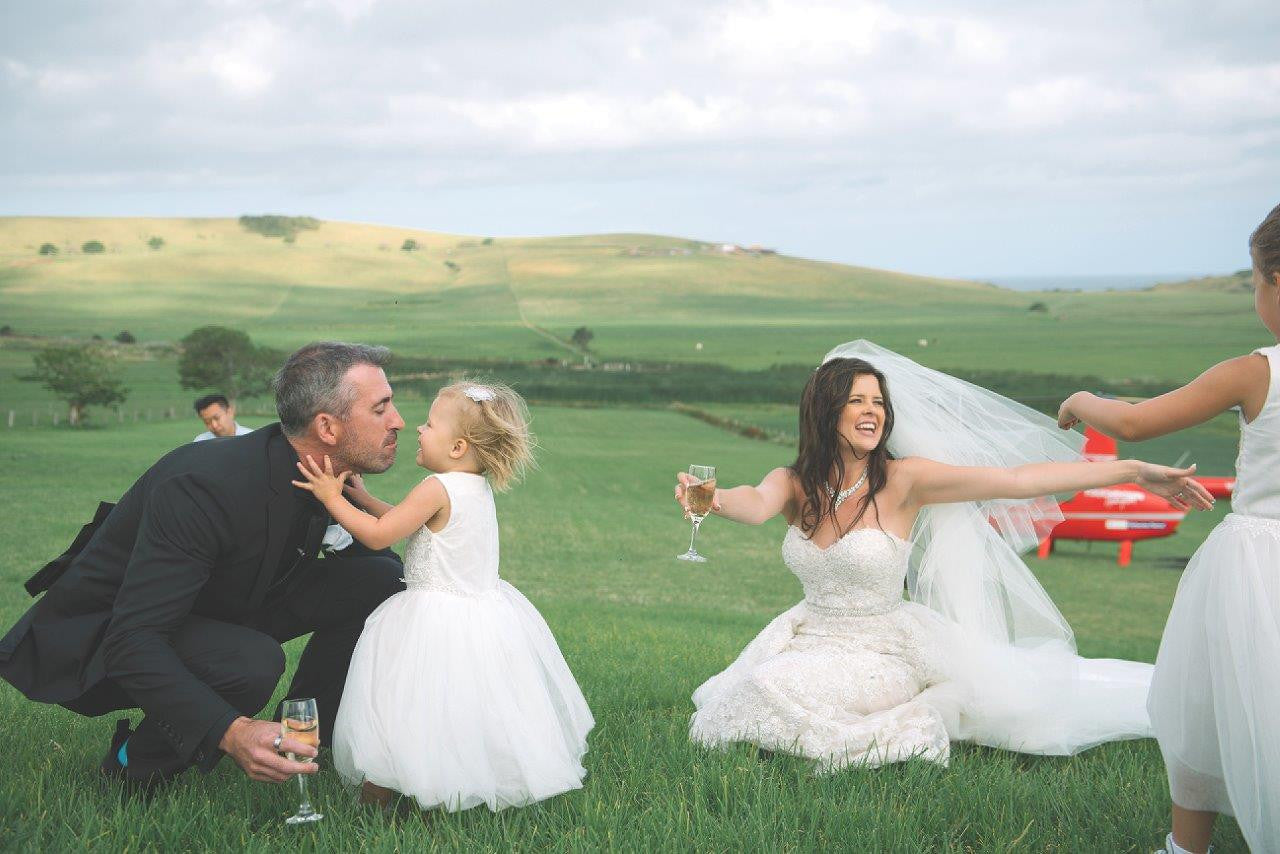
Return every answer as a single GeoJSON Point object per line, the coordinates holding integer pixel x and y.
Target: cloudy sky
{"type": "Point", "coordinates": [969, 138]}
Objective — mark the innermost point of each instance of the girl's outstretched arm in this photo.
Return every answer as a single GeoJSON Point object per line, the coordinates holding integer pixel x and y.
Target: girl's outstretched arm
{"type": "Point", "coordinates": [1239, 382]}
{"type": "Point", "coordinates": [377, 532]}
{"type": "Point", "coordinates": [751, 505]}
{"type": "Point", "coordinates": [355, 491]}
{"type": "Point", "coordinates": [931, 482]}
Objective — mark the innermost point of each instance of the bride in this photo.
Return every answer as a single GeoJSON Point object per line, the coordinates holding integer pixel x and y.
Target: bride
{"type": "Point", "coordinates": [905, 473]}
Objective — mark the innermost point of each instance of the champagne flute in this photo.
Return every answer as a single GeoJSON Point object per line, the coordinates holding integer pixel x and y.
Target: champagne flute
{"type": "Point", "coordinates": [300, 721]}
{"type": "Point", "coordinates": [699, 495]}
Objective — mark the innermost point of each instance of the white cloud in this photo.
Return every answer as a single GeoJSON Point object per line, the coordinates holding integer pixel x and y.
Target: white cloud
{"type": "Point", "coordinates": [798, 107]}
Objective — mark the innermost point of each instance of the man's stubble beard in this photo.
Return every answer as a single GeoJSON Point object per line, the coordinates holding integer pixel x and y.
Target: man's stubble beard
{"type": "Point", "coordinates": [364, 460]}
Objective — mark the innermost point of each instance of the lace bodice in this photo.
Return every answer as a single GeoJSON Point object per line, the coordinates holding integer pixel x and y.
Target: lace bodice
{"type": "Point", "coordinates": [860, 573]}
{"type": "Point", "coordinates": [461, 558]}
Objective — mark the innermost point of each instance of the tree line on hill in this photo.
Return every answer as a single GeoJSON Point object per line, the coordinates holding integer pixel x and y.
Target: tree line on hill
{"type": "Point", "coordinates": [274, 225]}
{"type": "Point", "coordinates": [217, 358]}
{"type": "Point", "coordinates": [96, 247]}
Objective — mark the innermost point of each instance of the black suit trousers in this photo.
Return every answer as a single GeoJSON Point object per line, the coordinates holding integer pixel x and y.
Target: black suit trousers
{"type": "Point", "coordinates": [243, 662]}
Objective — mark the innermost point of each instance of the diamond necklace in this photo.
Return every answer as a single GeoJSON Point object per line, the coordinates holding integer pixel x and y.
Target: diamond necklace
{"type": "Point", "coordinates": [839, 499]}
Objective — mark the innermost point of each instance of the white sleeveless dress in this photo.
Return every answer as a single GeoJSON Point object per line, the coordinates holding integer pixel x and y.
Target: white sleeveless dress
{"type": "Point", "coordinates": [1215, 697]}
{"type": "Point", "coordinates": [457, 693]}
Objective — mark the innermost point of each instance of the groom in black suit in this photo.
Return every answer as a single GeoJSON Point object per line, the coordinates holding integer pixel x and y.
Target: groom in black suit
{"type": "Point", "coordinates": [179, 600]}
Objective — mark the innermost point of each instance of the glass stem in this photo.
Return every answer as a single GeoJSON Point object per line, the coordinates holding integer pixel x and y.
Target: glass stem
{"type": "Point", "coordinates": [697, 523]}
{"type": "Point", "coordinates": [305, 807]}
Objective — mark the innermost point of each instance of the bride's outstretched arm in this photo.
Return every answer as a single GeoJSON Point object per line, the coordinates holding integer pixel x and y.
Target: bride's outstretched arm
{"type": "Point", "coordinates": [751, 505]}
{"type": "Point", "coordinates": [932, 482]}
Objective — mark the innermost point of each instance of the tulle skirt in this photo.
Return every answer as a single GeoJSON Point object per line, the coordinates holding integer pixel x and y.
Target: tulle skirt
{"type": "Point", "coordinates": [880, 688]}
{"type": "Point", "coordinates": [460, 701]}
{"type": "Point", "coordinates": [1215, 698]}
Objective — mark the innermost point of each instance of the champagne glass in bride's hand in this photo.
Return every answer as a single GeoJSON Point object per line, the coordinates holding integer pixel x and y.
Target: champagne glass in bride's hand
{"type": "Point", "coordinates": [699, 494]}
{"type": "Point", "coordinates": [300, 721]}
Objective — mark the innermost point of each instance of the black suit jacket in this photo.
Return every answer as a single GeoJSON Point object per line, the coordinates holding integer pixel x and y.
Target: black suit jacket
{"type": "Point", "coordinates": [202, 532]}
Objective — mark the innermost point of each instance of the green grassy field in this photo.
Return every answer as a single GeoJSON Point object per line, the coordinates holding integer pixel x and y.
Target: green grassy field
{"type": "Point", "coordinates": [591, 539]}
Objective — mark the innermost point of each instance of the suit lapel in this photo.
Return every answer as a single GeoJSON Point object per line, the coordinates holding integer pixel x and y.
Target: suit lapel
{"type": "Point", "coordinates": [281, 469]}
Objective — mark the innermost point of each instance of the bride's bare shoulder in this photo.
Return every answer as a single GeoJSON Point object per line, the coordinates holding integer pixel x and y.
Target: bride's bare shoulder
{"type": "Point", "coordinates": [906, 466]}
{"type": "Point", "coordinates": [903, 472]}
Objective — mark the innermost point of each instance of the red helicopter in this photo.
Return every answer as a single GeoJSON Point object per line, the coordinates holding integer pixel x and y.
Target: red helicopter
{"type": "Point", "coordinates": [1124, 513]}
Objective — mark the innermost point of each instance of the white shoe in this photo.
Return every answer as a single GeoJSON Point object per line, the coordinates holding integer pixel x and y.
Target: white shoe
{"type": "Point", "coordinates": [1171, 847]}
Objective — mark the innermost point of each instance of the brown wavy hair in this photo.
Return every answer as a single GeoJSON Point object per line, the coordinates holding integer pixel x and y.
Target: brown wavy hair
{"type": "Point", "coordinates": [825, 396]}
{"type": "Point", "coordinates": [1264, 245]}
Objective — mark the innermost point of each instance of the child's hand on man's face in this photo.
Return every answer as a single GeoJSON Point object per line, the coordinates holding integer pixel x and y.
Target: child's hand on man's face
{"type": "Point", "coordinates": [322, 483]}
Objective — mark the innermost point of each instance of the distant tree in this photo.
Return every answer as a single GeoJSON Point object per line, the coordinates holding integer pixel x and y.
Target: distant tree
{"type": "Point", "coordinates": [1038, 306]}
{"type": "Point", "coordinates": [215, 357]}
{"type": "Point", "coordinates": [274, 225]}
{"type": "Point", "coordinates": [124, 336]}
{"type": "Point", "coordinates": [93, 247]}
{"type": "Point", "coordinates": [96, 337]}
{"type": "Point", "coordinates": [156, 242]}
{"type": "Point", "coordinates": [6, 331]}
{"type": "Point", "coordinates": [409, 245]}
{"type": "Point", "coordinates": [81, 376]}
{"type": "Point", "coordinates": [488, 241]}
{"type": "Point", "coordinates": [581, 337]}
{"type": "Point", "coordinates": [48, 249]}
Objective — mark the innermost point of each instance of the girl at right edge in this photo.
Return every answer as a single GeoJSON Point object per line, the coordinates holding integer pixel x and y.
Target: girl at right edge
{"type": "Point", "coordinates": [1215, 694]}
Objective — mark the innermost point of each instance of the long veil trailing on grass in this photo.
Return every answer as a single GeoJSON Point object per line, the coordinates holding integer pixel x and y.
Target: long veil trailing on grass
{"type": "Point", "coordinates": [1012, 651]}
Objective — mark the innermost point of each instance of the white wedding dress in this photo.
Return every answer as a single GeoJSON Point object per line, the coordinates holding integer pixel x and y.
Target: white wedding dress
{"type": "Point", "coordinates": [457, 693]}
{"type": "Point", "coordinates": [857, 674]}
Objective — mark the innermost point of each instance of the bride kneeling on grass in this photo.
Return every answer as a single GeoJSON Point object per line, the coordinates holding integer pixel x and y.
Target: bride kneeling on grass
{"type": "Point", "coordinates": [905, 473]}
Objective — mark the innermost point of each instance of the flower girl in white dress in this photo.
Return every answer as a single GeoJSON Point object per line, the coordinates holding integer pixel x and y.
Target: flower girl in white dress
{"type": "Point", "coordinates": [1215, 695]}
{"type": "Point", "coordinates": [457, 694]}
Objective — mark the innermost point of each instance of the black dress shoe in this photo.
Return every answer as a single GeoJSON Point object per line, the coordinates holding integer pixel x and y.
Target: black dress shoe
{"type": "Point", "coordinates": [110, 765]}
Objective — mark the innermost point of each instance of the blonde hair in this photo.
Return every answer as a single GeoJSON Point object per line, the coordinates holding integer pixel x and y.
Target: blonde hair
{"type": "Point", "coordinates": [495, 422]}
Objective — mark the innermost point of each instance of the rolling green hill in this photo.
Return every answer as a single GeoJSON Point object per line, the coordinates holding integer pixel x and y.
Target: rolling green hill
{"type": "Point", "coordinates": [1241, 281]}
{"type": "Point", "coordinates": [644, 297]}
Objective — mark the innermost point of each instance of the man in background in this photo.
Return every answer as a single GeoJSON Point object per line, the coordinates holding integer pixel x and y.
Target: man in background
{"type": "Point", "coordinates": [219, 416]}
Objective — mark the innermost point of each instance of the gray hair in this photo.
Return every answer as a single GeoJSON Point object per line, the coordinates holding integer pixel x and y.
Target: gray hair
{"type": "Point", "coordinates": [311, 381]}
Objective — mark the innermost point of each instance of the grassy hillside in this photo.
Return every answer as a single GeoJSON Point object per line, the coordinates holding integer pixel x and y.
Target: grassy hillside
{"type": "Point", "coordinates": [644, 297]}
{"type": "Point", "coordinates": [1241, 281]}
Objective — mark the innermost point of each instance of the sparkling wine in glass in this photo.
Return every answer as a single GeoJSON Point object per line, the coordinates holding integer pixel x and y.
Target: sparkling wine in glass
{"type": "Point", "coordinates": [300, 721]}
{"type": "Point", "coordinates": [700, 493]}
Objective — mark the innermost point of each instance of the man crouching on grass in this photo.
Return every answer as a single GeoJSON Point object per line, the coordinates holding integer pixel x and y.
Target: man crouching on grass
{"type": "Point", "coordinates": [179, 600]}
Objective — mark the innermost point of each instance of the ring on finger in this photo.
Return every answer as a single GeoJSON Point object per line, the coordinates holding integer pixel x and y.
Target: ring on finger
{"type": "Point", "coordinates": [275, 743]}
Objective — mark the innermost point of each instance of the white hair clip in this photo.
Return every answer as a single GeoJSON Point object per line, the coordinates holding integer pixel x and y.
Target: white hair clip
{"type": "Point", "coordinates": [478, 393]}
